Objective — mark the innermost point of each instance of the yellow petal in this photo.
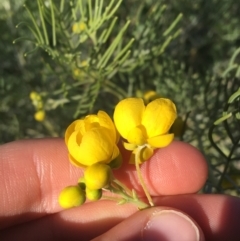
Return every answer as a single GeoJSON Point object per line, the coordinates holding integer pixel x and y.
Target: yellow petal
{"type": "Point", "coordinates": [80, 126]}
{"type": "Point", "coordinates": [115, 152]}
{"type": "Point", "coordinates": [159, 116]}
{"type": "Point", "coordinates": [137, 135]}
{"type": "Point", "coordinates": [128, 114]}
{"type": "Point", "coordinates": [91, 121]}
{"type": "Point", "coordinates": [160, 141]}
{"type": "Point", "coordinates": [95, 146]}
{"type": "Point", "coordinates": [145, 154]}
{"type": "Point", "coordinates": [70, 130]}
{"type": "Point", "coordinates": [106, 121]}
{"type": "Point", "coordinates": [102, 119]}
{"type": "Point", "coordinates": [74, 162]}
{"type": "Point", "coordinates": [129, 146]}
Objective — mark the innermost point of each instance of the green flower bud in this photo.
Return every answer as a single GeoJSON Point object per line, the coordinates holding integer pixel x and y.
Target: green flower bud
{"type": "Point", "coordinates": [93, 195]}
{"type": "Point", "coordinates": [81, 183]}
{"type": "Point", "coordinates": [97, 176]}
{"type": "Point", "coordinates": [71, 196]}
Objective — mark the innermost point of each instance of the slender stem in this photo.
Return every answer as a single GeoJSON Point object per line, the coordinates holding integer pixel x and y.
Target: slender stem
{"type": "Point", "coordinates": [137, 159]}
{"type": "Point", "coordinates": [122, 185]}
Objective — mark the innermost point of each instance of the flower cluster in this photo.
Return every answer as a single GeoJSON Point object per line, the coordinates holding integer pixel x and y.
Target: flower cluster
{"type": "Point", "coordinates": [38, 104]}
{"type": "Point", "coordinates": [92, 145]}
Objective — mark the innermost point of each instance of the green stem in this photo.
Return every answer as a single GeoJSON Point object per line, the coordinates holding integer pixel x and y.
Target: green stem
{"type": "Point", "coordinates": [119, 188]}
{"type": "Point", "coordinates": [122, 186]}
{"type": "Point", "coordinates": [140, 178]}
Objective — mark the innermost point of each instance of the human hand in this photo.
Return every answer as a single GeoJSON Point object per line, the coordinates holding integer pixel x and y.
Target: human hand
{"type": "Point", "coordinates": [33, 172]}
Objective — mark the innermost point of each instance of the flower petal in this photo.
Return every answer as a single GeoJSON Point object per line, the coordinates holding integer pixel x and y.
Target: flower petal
{"type": "Point", "coordinates": [115, 152]}
{"type": "Point", "coordinates": [106, 121]}
{"type": "Point", "coordinates": [70, 130]}
{"type": "Point", "coordinates": [160, 141]}
{"type": "Point", "coordinates": [74, 162]}
{"type": "Point", "coordinates": [158, 117]}
{"type": "Point", "coordinates": [91, 121]}
{"type": "Point", "coordinates": [80, 126]}
{"type": "Point", "coordinates": [145, 154]}
{"type": "Point", "coordinates": [137, 135]}
{"type": "Point", "coordinates": [129, 146]}
{"type": "Point", "coordinates": [128, 114]}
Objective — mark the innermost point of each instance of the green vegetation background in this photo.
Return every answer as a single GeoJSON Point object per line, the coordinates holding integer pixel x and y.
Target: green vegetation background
{"type": "Point", "coordinates": [182, 49]}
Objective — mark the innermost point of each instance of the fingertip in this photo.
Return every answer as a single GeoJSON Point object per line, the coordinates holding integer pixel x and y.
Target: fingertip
{"type": "Point", "coordinates": [177, 169]}
{"type": "Point", "coordinates": [158, 223]}
{"type": "Point", "coordinates": [169, 224]}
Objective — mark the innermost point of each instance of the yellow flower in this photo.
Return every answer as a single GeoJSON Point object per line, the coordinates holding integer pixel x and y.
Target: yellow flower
{"type": "Point", "coordinates": [71, 196]}
{"type": "Point", "coordinates": [39, 115]}
{"type": "Point", "coordinates": [145, 126]}
{"type": "Point", "coordinates": [92, 140]}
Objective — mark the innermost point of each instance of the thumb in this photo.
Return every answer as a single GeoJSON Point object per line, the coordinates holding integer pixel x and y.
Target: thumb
{"type": "Point", "coordinates": [158, 223]}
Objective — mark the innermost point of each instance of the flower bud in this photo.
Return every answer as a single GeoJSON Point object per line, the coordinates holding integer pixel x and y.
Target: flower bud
{"type": "Point", "coordinates": [93, 195]}
{"type": "Point", "coordinates": [81, 183]}
{"type": "Point", "coordinates": [71, 196]}
{"type": "Point", "coordinates": [39, 115]}
{"type": "Point", "coordinates": [34, 96]}
{"type": "Point", "coordinates": [97, 176]}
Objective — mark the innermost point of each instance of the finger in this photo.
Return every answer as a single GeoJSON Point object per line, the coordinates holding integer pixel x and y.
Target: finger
{"type": "Point", "coordinates": [32, 174]}
{"type": "Point", "coordinates": [35, 171]}
{"type": "Point", "coordinates": [176, 169]}
{"type": "Point", "coordinates": [159, 223]}
{"type": "Point", "coordinates": [216, 215]}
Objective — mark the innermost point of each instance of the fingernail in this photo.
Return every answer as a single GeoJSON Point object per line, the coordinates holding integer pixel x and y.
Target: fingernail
{"type": "Point", "coordinates": [169, 225]}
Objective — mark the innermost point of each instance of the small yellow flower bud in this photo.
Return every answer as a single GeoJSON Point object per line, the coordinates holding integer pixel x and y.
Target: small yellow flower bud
{"type": "Point", "coordinates": [34, 96]}
{"type": "Point", "coordinates": [39, 115]}
{"type": "Point", "coordinates": [150, 96]}
{"type": "Point", "coordinates": [71, 196]}
{"type": "Point", "coordinates": [93, 195]}
{"type": "Point", "coordinates": [97, 176]}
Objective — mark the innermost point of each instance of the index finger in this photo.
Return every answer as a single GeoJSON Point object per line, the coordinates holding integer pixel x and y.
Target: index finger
{"type": "Point", "coordinates": [35, 171]}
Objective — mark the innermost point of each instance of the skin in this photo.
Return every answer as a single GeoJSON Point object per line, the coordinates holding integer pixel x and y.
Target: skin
{"type": "Point", "coordinates": [33, 172]}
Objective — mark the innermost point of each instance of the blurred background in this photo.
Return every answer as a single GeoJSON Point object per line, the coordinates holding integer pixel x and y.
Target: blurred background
{"type": "Point", "coordinates": [61, 60]}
